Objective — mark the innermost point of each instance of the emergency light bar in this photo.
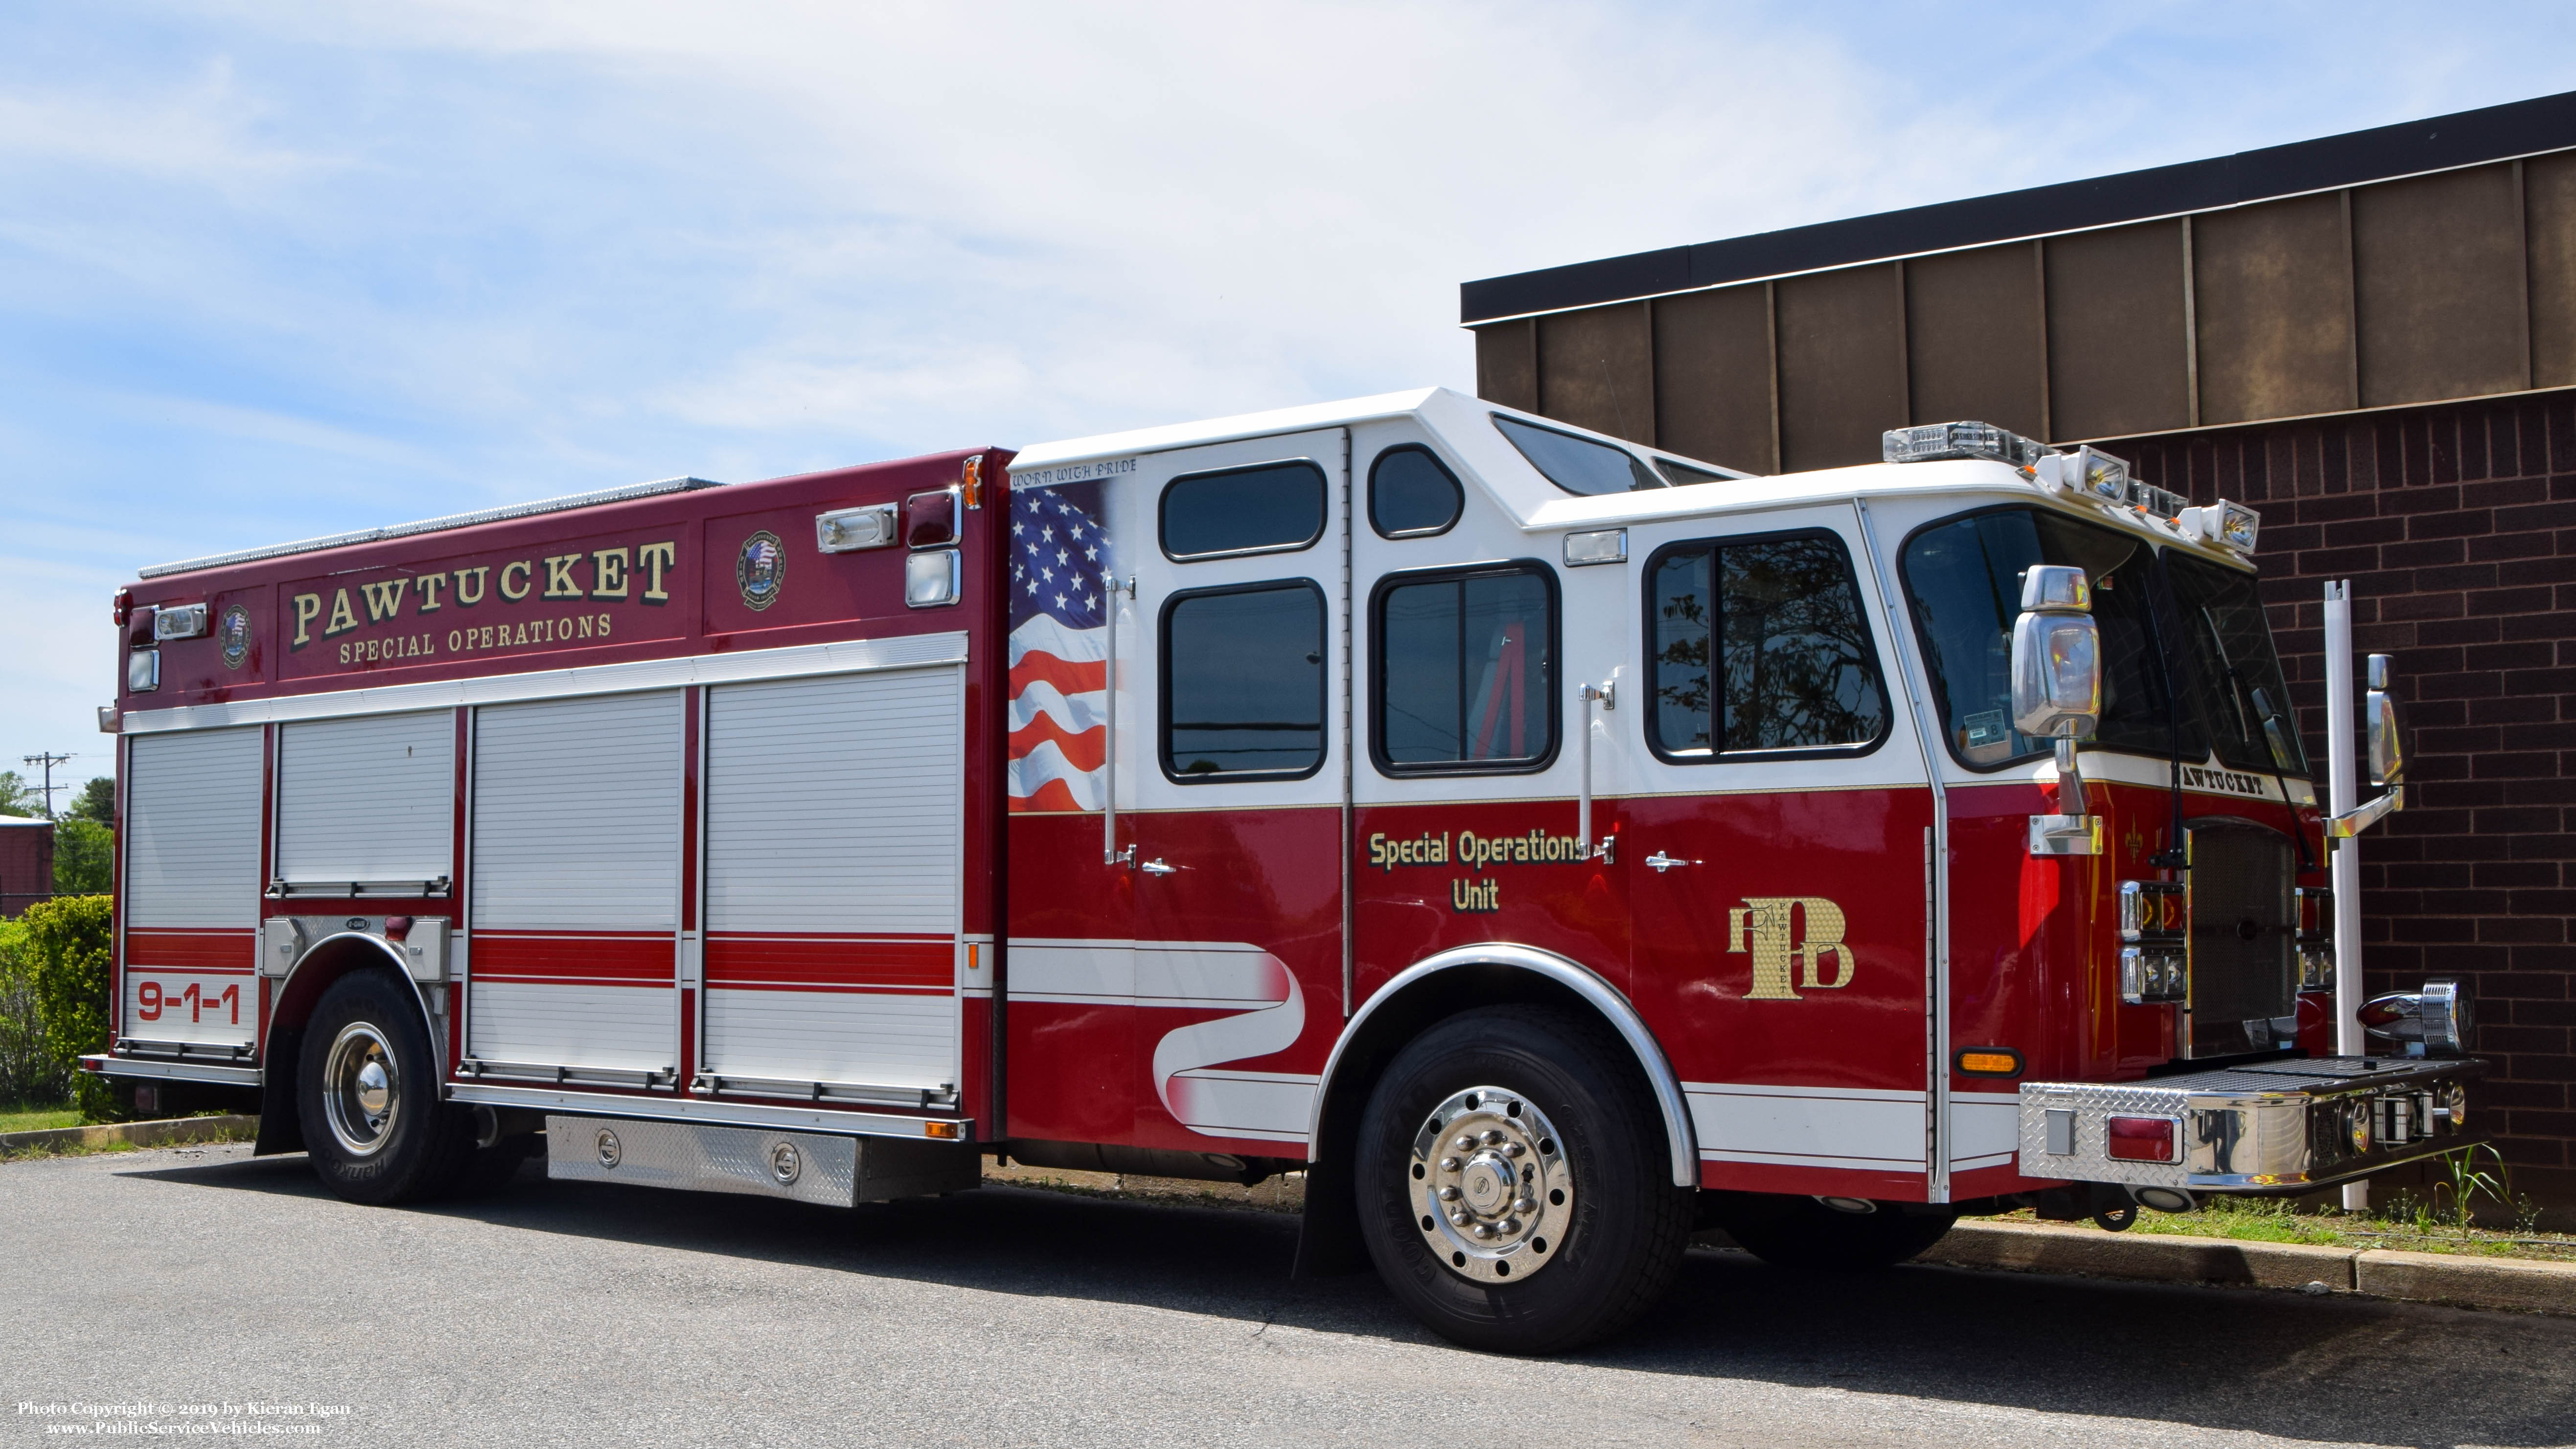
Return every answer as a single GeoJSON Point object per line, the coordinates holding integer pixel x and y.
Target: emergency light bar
{"type": "Point", "coordinates": [2084, 471]}
{"type": "Point", "coordinates": [1934, 441]}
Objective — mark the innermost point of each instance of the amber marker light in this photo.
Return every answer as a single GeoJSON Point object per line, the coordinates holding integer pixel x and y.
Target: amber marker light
{"type": "Point", "coordinates": [1990, 1061]}
{"type": "Point", "coordinates": [945, 1131]}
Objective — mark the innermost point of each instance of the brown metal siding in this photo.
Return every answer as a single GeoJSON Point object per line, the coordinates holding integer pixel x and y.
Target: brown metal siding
{"type": "Point", "coordinates": [2274, 307]}
{"type": "Point", "coordinates": [1842, 365]}
{"type": "Point", "coordinates": [1973, 335]}
{"type": "Point", "coordinates": [1713, 377]}
{"type": "Point", "coordinates": [2438, 264]}
{"type": "Point", "coordinates": [2118, 355]}
{"type": "Point", "coordinates": [2549, 221]}
{"type": "Point", "coordinates": [1596, 369]}
{"type": "Point", "coordinates": [1507, 364]}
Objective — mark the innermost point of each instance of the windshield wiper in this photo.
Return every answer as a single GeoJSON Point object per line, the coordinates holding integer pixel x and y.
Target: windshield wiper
{"type": "Point", "coordinates": [2276, 741]}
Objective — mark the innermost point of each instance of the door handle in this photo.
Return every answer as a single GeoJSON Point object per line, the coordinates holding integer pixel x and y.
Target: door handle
{"type": "Point", "coordinates": [1660, 862]}
{"type": "Point", "coordinates": [1156, 867]}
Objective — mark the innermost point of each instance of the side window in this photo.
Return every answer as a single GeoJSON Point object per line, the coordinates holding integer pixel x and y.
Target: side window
{"type": "Point", "coordinates": [1277, 507]}
{"type": "Point", "coordinates": [1759, 645]}
{"type": "Point", "coordinates": [1412, 494]}
{"type": "Point", "coordinates": [1577, 465]}
{"type": "Point", "coordinates": [1466, 671]}
{"type": "Point", "coordinates": [1243, 683]}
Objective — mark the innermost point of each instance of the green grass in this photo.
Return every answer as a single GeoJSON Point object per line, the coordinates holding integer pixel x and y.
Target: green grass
{"type": "Point", "coordinates": [2395, 1225]}
{"type": "Point", "coordinates": [22, 1117]}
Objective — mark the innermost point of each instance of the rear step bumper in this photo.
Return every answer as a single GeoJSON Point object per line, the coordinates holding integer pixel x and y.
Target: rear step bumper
{"type": "Point", "coordinates": [2265, 1129]}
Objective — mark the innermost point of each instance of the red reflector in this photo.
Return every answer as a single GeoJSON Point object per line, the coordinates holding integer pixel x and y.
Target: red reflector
{"type": "Point", "coordinates": [397, 927]}
{"type": "Point", "coordinates": [930, 519]}
{"type": "Point", "coordinates": [2142, 1139]}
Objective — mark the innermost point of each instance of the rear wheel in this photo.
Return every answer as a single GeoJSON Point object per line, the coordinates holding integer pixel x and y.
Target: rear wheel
{"type": "Point", "coordinates": [1514, 1187]}
{"type": "Point", "coordinates": [1800, 1232]}
{"type": "Point", "coordinates": [374, 1124]}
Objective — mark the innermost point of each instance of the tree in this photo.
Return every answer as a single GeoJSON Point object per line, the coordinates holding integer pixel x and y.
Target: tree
{"type": "Point", "coordinates": [96, 801]}
{"type": "Point", "coordinates": [84, 857]}
{"type": "Point", "coordinates": [17, 797]}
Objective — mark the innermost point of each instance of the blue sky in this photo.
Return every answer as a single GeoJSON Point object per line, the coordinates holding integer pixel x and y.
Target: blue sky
{"type": "Point", "coordinates": [274, 270]}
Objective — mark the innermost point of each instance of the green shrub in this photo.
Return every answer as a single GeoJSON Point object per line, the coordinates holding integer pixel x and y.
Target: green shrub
{"type": "Point", "coordinates": [84, 857]}
{"type": "Point", "coordinates": [29, 1070]}
{"type": "Point", "coordinates": [70, 936]}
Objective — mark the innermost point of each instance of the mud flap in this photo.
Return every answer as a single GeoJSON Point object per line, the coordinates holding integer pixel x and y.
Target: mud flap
{"type": "Point", "coordinates": [281, 1121]}
{"type": "Point", "coordinates": [1328, 1235]}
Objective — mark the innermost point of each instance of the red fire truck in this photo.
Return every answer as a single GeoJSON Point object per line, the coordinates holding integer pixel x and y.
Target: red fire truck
{"type": "Point", "coordinates": [1547, 844]}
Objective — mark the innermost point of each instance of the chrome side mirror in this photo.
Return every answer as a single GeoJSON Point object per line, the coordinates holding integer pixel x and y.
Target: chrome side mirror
{"type": "Point", "coordinates": [2056, 655]}
{"type": "Point", "coordinates": [2387, 742]}
{"type": "Point", "coordinates": [2433, 1022]}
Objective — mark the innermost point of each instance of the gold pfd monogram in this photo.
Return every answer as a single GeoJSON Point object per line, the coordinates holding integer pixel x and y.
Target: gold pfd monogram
{"type": "Point", "coordinates": [1777, 944]}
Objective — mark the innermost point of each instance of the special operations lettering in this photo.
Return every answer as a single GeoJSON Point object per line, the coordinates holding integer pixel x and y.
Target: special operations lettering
{"type": "Point", "coordinates": [637, 573]}
{"type": "Point", "coordinates": [1483, 895]}
{"type": "Point", "coordinates": [1474, 851]}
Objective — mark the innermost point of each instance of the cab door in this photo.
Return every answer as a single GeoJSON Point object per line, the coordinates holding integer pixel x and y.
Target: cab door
{"type": "Point", "coordinates": [1239, 777]}
{"type": "Point", "coordinates": [1781, 857]}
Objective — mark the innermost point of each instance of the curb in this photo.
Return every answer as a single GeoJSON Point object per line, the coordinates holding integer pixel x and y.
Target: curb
{"type": "Point", "coordinates": [2519, 1284]}
{"type": "Point", "coordinates": [130, 1134]}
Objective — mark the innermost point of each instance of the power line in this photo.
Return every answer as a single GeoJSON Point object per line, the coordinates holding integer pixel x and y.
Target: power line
{"type": "Point", "coordinates": [48, 761]}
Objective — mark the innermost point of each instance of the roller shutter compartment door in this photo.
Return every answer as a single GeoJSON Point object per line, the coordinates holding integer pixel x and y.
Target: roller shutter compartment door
{"type": "Point", "coordinates": [835, 826]}
{"type": "Point", "coordinates": [369, 800]}
{"type": "Point", "coordinates": [192, 824]}
{"type": "Point", "coordinates": [574, 883]}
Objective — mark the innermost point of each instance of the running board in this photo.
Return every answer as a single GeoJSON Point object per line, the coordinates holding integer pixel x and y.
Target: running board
{"type": "Point", "coordinates": [832, 1171]}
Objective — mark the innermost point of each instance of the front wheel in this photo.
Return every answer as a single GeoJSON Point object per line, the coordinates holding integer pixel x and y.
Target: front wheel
{"type": "Point", "coordinates": [1515, 1190]}
{"type": "Point", "coordinates": [367, 1090]}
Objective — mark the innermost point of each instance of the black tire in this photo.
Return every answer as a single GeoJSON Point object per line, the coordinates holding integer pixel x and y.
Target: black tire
{"type": "Point", "coordinates": [1800, 1232]}
{"type": "Point", "coordinates": [1620, 1234]}
{"type": "Point", "coordinates": [419, 1145]}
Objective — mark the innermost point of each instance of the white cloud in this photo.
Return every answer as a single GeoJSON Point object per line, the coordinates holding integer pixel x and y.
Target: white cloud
{"type": "Point", "coordinates": [274, 270]}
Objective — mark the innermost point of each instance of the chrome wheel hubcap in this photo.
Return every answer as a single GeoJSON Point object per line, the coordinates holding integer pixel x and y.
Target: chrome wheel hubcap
{"type": "Point", "coordinates": [1489, 1185]}
{"type": "Point", "coordinates": [361, 1088]}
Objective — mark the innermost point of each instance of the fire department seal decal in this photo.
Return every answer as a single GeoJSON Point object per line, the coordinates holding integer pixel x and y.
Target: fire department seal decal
{"type": "Point", "coordinates": [234, 635]}
{"type": "Point", "coordinates": [760, 569]}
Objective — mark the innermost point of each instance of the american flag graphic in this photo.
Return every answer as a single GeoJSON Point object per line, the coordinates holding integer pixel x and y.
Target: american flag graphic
{"type": "Point", "coordinates": [1061, 571]}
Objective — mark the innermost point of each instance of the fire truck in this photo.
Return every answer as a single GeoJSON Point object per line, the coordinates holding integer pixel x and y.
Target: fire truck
{"type": "Point", "coordinates": [1549, 846]}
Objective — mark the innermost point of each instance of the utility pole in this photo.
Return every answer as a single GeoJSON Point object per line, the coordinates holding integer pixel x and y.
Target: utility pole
{"type": "Point", "coordinates": [48, 762]}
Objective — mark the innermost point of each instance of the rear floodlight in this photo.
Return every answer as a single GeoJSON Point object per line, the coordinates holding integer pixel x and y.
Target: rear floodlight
{"type": "Point", "coordinates": [1934, 441]}
{"type": "Point", "coordinates": [2232, 524]}
{"type": "Point", "coordinates": [179, 621]}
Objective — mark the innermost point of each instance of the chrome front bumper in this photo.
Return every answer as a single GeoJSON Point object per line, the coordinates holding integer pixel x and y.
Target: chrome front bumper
{"type": "Point", "coordinates": [2269, 1128]}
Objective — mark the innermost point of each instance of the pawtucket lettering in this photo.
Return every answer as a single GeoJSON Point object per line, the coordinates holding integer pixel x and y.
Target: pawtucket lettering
{"type": "Point", "coordinates": [637, 573]}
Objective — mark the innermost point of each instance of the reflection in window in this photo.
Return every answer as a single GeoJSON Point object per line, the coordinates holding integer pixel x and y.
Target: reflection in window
{"type": "Point", "coordinates": [1243, 682]}
{"type": "Point", "coordinates": [1412, 493]}
{"type": "Point", "coordinates": [1578, 465]}
{"type": "Point", "coordinates": [2227, 639]}
{"type": "Point", "coordinates": [1466, 671]}
{"type": "Point", "coordinates": [1249, 510]}
{"type": "Point", "coordinates": [1790, 667]}
{"type": "Point", "coordinates": [1963, 579]}
{"type": "Point", "coordinates": [1683, 475]}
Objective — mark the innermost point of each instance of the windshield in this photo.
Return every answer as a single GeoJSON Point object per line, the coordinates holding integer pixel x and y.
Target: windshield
{"type": "Point", "coordinates": [2238, 677]}
{"type": "Point", "coordinates": [1963, 579]}
{"type": "Point", "coordinates": [1578, 465]}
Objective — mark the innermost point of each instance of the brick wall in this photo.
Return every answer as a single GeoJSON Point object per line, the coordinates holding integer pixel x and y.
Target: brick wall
{"type": "Point", "coordinates": [2457, 527]}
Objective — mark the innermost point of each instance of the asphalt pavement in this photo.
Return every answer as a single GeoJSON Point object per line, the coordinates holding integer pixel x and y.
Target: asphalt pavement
{"type": "Point", "coordinates": [197, 1287]}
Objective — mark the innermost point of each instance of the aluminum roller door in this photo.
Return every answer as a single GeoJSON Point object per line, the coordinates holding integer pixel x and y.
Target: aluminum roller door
{"type": "Point", "coordinates": [574, 882]}
{"type": "Point", "coordinates": [834, 837]}
{"type": "Point", "coordinates": [370, 800]}
{"type": "Point", "coordinates": [192, 827]}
